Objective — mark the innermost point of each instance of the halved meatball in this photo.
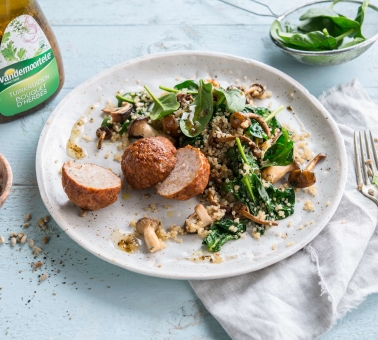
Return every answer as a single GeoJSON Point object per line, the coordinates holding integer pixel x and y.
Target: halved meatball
{"type": "Point", "coordinates": [90, 186]}
{"type": "Point", "coordinates": [148, 162]}
{"type": "Point", "coordinates": [190, 176]}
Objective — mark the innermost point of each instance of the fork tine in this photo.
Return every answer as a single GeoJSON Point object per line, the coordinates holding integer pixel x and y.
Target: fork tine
{"type": "Point", "coordinates": [358, 160]}
{"type": "Point", "coordinates": [369, 155]}
{"type": "Point", "coordinates": [367, 181]}
{"type": "Point", "coordinates": [374, 150]}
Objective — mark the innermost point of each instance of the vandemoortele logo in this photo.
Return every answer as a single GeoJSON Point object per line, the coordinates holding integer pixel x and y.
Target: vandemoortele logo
{"type": "Point", "coordinates": [24, 69]}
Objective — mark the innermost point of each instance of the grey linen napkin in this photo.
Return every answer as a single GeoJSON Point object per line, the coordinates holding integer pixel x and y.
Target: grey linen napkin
{"type": "Point", "coordinates": [303, 296]}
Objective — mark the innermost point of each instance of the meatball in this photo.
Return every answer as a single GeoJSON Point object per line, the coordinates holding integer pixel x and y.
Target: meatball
{"type": "Point", "coordinates": [148, 162]}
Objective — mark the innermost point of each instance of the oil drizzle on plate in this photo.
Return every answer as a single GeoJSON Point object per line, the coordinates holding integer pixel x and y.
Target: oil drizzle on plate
{"type": "Point", "coordinates": [125, 241]}
{"type": "Point", "coordinates": [74, 150]}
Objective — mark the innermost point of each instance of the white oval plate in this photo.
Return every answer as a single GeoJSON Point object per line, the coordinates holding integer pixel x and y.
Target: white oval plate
{"type": "Point", "coordinates": [93, 232]}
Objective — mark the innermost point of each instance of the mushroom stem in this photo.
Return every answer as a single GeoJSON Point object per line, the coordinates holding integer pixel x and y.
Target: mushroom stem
{"type": "Point", "coordinates": [203, 215]}
{"type": "Point", "coordinates": [256, 219]}
{"type": "Point", "coordinates": [255, 148]}
{"type": "Point", "coordinates": [101, 139]}
{"type": "Point", "coordinates": [148, 227]}
{"type": "Point", "coordinates": [274, 173]}
{"type": "Point", "coordinates": [256, 90]}
{"type": "Point", "coordinates": [261, 121]}
{"type": "Point", "coordinates": [139, 128]}
{"type": "Point", "coordinates": [152, 241]}
{"type": "Point", "coordinates": [310, 166]}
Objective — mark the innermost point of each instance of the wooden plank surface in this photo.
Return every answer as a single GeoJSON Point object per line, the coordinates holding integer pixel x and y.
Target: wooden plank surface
{"type": "Point", "coordinates": [84, 297]}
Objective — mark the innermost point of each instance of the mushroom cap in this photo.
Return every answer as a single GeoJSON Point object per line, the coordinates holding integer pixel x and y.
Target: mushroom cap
{"type": "Point", "coordinates": [140, 128]}
{"type": "Point", "coordinates": [120, 114]}
{"type": "Point", "coordinates": [108, 132]}
{"type": "Point", "coordinates": [146, 222]}
{"type": "Point", "coordinates": [238, 208]}
{"type": "Point", "coordinates": [274, 173]}
{"type": "Point", "coordinates": [239, 120]}
{"type": "Point", "coordinates": [171, 126]}
{"type": "Point", "coordinates": [302, 178]}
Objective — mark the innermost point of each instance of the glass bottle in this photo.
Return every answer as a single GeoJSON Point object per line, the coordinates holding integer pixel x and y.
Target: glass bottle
{"type": "Point", "coordinates": [31, 68]}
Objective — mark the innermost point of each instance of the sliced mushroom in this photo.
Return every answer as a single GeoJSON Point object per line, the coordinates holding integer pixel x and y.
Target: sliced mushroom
{"type": "Point", "coordinates": [139, 128]}
{"type": "Point", "coordinates": [120, 114]}
{"type": "Point", "coordinates": [240, 210]}
{"type": "Point", "coordinates": [103, 133]}
{"type": "Point", "coordinates": [185, 99]}
{"type": "Point", "coordinates": [305, 178]}
{"type": "Point", "coordinates": [239, 120]}
{"type": "Point", "coordinates": [200, 214]}
{"type": "Point", "coordinates": [261, 121]}
{"type": "Point", "coordinates": [274, 173]}
{"type": "Point", "coordinates": [255, 148]}
{"type": "Point", "coordinates": [148, 227]}
{"type": "Point", "coordinates": [255, 90]}
{"type": "Point", "coordinates": [171, 126]}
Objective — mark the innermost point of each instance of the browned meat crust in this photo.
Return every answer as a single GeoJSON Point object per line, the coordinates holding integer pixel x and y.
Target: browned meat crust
{"type": "Point", "coordinates": [148, 161]}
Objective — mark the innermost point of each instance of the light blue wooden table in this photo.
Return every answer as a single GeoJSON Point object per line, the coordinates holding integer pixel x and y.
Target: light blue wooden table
{"type": "Point", "coordinates": [85, 297]}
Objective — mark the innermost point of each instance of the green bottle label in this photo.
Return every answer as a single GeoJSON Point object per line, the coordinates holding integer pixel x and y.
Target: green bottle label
{"type": "Point", "coordinates": [28, 70]}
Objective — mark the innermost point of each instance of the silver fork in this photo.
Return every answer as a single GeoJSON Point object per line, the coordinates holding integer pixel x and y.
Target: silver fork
{"type": "Point", "coordinates": [369, 165]}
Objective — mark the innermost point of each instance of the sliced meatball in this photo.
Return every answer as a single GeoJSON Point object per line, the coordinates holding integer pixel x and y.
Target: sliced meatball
{"type": "Point", "coordinates": [90, 186]}
{"type": "Point", "coordinates": [190, 176]}
{"type": "Point", "coordinates": [148, 162]}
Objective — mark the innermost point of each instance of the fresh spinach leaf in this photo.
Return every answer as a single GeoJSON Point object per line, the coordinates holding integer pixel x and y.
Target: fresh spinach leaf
{"type": "Point", "coordinates": [360, 17]}
{"type": "Point", "coordinates": [335, 26]}
{"type": "Point", "coordinates": [318, 12]}
{"type": "Point", "coordinates": [122, 99]}
{"type": "Point", "coordinates": [355, 41]}
{"type": "Point", "coordinates": [233, 98]}
{"type": "Point", "coordinates": [281, 153]}
{"type": "Point", "coordinates": [192, 123]}
{"type": "Point", "coordinates": [164, 106]}
{"type": "Point", "coordinates": [220, 233]}
{"type": "Point", "coordinates": [126, 97]}
{"type": "Point", "coordinates": [189, 85]}
{"type": "Point", "coordinates": [314, 41]}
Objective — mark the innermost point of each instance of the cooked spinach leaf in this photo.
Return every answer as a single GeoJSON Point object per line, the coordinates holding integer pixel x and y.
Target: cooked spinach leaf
{"type": "Point", "coordinates": [281, 153]}
{"type": "Point", "coordinates": [192, 123]}
{"type": "Point", "coordinates": [255, 129]}
{"type": "Point", "coordinates": [164, 105]}
{"type": "Point", "coordinates": [185, 140]}
{"type": "Point", "coordinates": [106, 122]}
{"type": "Point", "coordinates": [223, 231]}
